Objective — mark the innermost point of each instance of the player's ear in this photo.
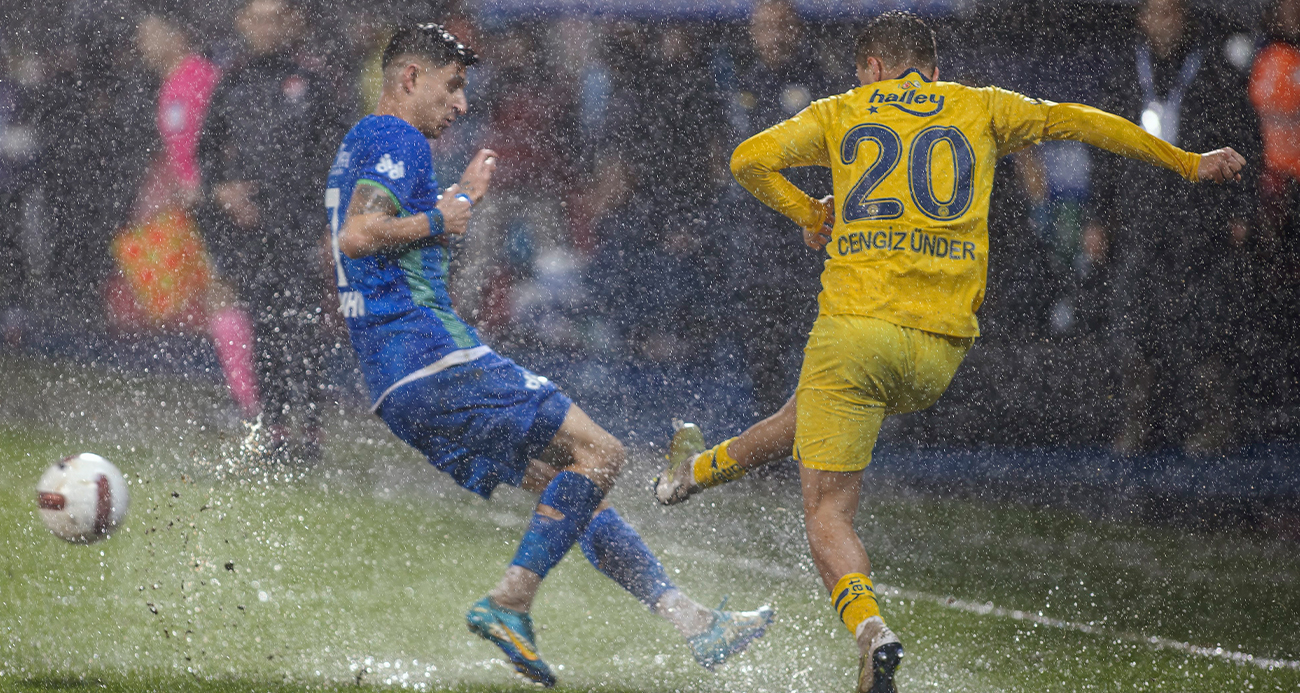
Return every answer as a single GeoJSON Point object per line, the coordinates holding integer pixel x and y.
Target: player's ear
{"type": "Point", "coordinates": [410, 74]}
{"type": "Point", "coordinates": [878, 70]}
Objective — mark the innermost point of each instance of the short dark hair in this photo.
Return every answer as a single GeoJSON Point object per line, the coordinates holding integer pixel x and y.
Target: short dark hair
{"type": "Point", "coordinates": [430, 41]}
{"type": "Point", "coordinates": [898, 38]}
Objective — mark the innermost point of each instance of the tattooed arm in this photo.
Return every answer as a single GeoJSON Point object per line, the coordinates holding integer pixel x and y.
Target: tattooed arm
{"type": "Point", "coordinates": [373, 224]}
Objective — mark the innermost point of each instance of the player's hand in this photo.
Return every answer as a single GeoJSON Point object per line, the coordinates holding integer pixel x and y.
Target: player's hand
{"type": "Point", "coordinates": [1220, 165]}
{"type": "Point", "coordinates": [818, 238]}
{"type": "Point", "coordinates": [478, 175]}
{"type": "Point", "coordinates": [236, 199]}
{"type": "Point", "coordinates": [456, 210]}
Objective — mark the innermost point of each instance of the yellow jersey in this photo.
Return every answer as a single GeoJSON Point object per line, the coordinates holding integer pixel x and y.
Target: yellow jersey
{"type": "Point", "coordinates": [912, 163]}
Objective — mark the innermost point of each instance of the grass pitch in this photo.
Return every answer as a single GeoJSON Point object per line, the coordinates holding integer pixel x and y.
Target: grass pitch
{"type": "Point", "coordinates": [231, 576]}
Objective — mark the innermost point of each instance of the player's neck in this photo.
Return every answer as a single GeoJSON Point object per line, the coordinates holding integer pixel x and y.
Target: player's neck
{"type": "Point", "coordinates": [866, 75]}
{"type": "Point", "coordinates": [389, 106]}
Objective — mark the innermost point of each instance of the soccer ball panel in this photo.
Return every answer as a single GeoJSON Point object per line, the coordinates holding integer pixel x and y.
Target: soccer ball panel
{"type": "Point", "coordinates": [82, 498]}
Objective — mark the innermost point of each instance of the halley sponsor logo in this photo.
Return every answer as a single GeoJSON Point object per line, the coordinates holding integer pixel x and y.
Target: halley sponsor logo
{"type": "Point", "coordinates": [389, 168]}
{"type": "Point", "coordinates": [911, 97]}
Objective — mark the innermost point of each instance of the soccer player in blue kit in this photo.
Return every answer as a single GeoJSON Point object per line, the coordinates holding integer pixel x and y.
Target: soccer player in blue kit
{"type": "Point", "coordinates": [476, 415]}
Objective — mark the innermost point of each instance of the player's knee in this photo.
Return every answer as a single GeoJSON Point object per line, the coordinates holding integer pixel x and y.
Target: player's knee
{"type": "Point", "coordinates": [826, 511]}
{"type": "Point", "coordinates": [601, 458]}
{"type": "Point", "coordinates": [612, 453]}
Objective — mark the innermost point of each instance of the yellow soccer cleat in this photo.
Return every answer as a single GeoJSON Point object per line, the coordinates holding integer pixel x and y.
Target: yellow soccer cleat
{"type": "Point", "coordinates": [677, 483]}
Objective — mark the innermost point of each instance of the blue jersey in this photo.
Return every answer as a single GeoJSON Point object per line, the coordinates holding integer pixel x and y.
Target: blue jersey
{"type": "Point", "coordinates": [396, 303]}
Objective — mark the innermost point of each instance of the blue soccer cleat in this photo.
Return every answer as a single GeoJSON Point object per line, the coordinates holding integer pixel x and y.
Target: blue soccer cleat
{"type": "Point", "coordinates": [512, 631]}
{"type": "Point", "coordinates": [730, 634]}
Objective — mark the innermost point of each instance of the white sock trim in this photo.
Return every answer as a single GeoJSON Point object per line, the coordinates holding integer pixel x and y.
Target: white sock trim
{"type": "Point", "coordinates": [857, 634]}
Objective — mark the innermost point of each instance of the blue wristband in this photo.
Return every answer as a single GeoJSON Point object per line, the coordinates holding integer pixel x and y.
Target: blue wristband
{"type": "Point", "coordinates": [436, 227]}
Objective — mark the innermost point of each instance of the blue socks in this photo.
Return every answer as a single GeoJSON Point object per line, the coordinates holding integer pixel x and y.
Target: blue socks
{"type": "Point", "coordinates": [617, 551]}
{"type": "Point", "coordinates": [611, 544]}
{"type": "Point", "coordinates": [547, 540]}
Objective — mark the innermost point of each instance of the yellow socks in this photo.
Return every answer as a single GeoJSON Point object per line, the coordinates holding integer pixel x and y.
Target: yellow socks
{"type": "Point", "coordinates": [714, 466]}
{"type": "Point", "coordinates": [854, 597]}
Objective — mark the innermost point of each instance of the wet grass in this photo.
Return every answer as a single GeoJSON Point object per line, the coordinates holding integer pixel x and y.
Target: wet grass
{"type": "Point", "coordinates": [232, 576]}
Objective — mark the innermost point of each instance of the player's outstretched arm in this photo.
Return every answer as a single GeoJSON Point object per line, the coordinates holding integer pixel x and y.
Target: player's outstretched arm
{"type": "Point", "coordinates": [373, 223]}
{"type": "Point", "coordinates": [1115, 134]}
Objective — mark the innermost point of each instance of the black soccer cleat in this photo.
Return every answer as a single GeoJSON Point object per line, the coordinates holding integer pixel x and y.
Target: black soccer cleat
{"type": "Point", "coordinates": [876, 670]}
{"type": "Point", "coordinates": [884, 662]}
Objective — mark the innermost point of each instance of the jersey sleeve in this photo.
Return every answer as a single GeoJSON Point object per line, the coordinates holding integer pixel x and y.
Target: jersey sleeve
{"type": "Point", "coordinates": [1074, 121]}
{"type": "Point", "coordinates": [1019, 121]}
{"type": "Point", "coordinates": [757, 162]}
{"type": "Point", "coordinates": [395, 162]}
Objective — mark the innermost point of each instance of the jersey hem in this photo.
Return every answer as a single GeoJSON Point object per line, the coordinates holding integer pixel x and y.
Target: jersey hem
{"type": "Point", "coordinates": [893, 319]}
{"type": "Point", "coordinates": [454, 358]}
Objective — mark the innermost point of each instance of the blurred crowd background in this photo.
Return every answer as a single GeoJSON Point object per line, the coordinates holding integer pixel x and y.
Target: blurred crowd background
{"type": "Point", "coordinates": [1124, 308]}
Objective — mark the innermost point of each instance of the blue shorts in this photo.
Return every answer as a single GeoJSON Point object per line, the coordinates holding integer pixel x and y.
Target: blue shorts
{"type": "Point", "coordinates": [481, 422]}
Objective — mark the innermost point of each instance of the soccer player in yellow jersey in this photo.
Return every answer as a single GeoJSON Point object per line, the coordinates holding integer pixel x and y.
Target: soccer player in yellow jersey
{"type": "Point", "coordinates": [906, 234]}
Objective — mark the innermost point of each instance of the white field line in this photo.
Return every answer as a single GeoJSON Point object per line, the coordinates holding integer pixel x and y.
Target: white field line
{"type": "Point", "coordinates": [988, 609]}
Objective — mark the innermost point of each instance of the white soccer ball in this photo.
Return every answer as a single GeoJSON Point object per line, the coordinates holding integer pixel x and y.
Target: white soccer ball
{"type": "Point", "coordinates": [82, 498]}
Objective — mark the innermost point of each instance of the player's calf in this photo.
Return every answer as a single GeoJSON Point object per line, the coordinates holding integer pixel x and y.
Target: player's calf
{"type": "Point", "coordinates": [589, 459]}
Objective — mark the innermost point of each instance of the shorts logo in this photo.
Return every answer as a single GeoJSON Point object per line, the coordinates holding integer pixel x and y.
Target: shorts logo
{"type": "Point", "coordinates": [392, 170]}
{"type": "Point", "coordinates": [534, 382]}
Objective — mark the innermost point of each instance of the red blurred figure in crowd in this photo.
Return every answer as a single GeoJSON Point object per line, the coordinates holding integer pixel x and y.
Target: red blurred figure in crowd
{"type": "Point", "coordinates": [1275, 91]}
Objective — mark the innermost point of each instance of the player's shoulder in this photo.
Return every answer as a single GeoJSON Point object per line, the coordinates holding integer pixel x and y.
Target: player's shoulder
{"type": "Point", "coordinates": [375, 136]}
{"type": "Point", "coordinates": [994, 97]}
{"type": "Point", "coordinates": [387, 129]}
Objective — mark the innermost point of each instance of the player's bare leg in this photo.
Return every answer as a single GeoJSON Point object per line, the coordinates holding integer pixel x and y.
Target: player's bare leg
{"type": "Point", "coordinates": [691, 468]}
{"type": "Point", "coordinates": [830, 502]}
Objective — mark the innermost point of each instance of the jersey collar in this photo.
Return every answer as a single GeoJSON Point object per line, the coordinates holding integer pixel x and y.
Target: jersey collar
{"type": "Point", "coordinates": [913, 71]}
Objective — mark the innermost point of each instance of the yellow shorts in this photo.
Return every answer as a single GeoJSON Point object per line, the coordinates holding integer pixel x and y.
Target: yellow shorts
{"type": "Point", "coordinates": [858, 370]}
